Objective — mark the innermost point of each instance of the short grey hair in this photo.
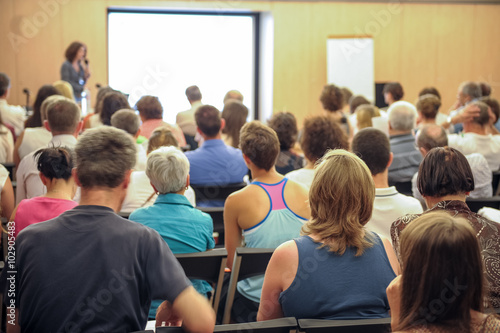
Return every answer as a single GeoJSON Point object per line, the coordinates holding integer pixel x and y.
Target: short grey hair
{"type": "Point", "coordinates": [471, 89]}
{"type": "Point", "coordinates": [103, 157]}
{"type": "Point", "coordinates": [402, 116]}
{"type": "Point", "coordinates": [127, 120]}
{"type": "Point", "coordinates": [167, 169]}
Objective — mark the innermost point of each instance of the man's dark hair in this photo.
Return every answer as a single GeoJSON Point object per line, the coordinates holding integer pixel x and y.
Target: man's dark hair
{"type": "Point", "coordinates": [208, 120]}
{"type": "Point", "coordinates": [285, 126]}
{"type": "Point", "coordinates": [444, 171]}
{"type": "Point", "coordinates": [193, 93]}
{"type": "Point", "coordinates": [395, 89]}
{"type": "Point", "coordinates": [4, 83]}
{"type": "Point", "coordinates": [373, 147]}
{"type": "Point", "coordinates": [63, 116]}
{"type": "Point", "coordinates": [332, 98]}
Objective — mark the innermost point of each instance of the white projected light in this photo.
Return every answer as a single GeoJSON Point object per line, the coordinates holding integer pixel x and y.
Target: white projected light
{"type": "Point", "coordinates": [161, 54]}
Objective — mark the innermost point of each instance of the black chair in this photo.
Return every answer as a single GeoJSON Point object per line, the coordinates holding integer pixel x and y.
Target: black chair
{"type": "Point", "coordinates": [475, 204]}
{"type": "Point", "coordinates": [214, 195]}
{"type": "Point", "coordinates": [495, 181]}
{"type": "Point", "coordinates": [147, 331]}
{"type": "Point", "coordinates": [282, 325]}
{"type": "Point", "coordinates": [217, 215]}
{"type": "Point", "coordinates": [247, 262]}
{"type": "Point", "coordinates": [381, 325]}
{"type": "Point", "coordinates": [208, 266]}
{"type": "Point", "coordinates": [404, 188]}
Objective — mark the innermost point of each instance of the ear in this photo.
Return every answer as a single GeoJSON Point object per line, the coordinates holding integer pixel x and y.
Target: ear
{"type": "Point", "coordinates": [247, 160]}
{"type": "Point", "coordinates": [187, 181]}
{"type": "Point", "coordinates": [78, 129]}
{"type": "Point", "coordinates": [75, 177]}
{"type": "Point", "coordinates": [126, 179]}
{"type": "Point", "coordinates": [43, 178]}
{"type": "Point", "coordinates": [422, 151]}
{"type": "Point", "coordinates": [222, 123]}
{"type": "Point", "coordinates": [199, 131]}
{"type": "Point", "coordinates": [391, 157]}
{"type": "Point", "coordinates": [46, 125]}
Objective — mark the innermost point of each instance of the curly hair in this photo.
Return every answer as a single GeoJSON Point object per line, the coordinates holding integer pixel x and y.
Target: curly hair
{"type": "Point", "coordinates": [320, 134]}
{"type": "Point", "coordinates": [395, 89]}
{"type": "Point", "coordinates": [285, 126]}
{"type": "Point", "coordinates": [332, 98]}
{"type": "Point", "coordinates": [150, 107]}
{"type": "Point", "coordinates": [72, 50]}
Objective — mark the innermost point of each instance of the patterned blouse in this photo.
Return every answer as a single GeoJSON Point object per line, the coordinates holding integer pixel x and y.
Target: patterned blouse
{"type": "Point", "coordinates": [488, 235]}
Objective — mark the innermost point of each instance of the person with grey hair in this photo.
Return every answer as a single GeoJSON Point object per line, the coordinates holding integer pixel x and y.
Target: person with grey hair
{"type": "Point", "coordinates": [468, 92]}
{"type": "Point", "coordinates": [432, 136]}
{"type": "Point", "coordinates": [12, 115]}
{"type": "Point", "coordinates": [129, 121]}
{"type": "Point", "coordinates": [172, 215]}
{"type": "Point", "coordinates": [402, 120]}
{"type": "Point", "coordinates": [475, 139]}
{"type": "Point", "coordinates": [233, 95]}
{"type": "Point", "coordinates": [104, 269]}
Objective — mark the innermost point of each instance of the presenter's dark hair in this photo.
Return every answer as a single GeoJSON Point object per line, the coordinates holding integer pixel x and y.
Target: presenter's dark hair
{"type": "Point", "coordinates": [72, 50]}
{"type": "Point", "coordinates": [55, 162]}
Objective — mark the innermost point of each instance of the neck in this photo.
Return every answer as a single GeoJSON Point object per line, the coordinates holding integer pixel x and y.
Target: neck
{"type": "Point", "coordinates": [309, 164]}
{"type": "Point", "coordinates": [393, 132]}
{"type": "Point", "coordinates": [431, 201]}
{"type": "Point", "coordinates": [381, 179]}
{"type": "Point", "coordinates": [474, 128]}
{"type": "Point", "coordinates": [103, 196]}
{"type": "Point", "coordinates": [61, 133]}
{"type": "Point", "coordinates": [426, 121]}
{"type": "Point", "coordinates": [217, 137]}
{"type": "Point", "coordinates": [261, 175]}
{"type": "Point", "coordinates": [61, 189]}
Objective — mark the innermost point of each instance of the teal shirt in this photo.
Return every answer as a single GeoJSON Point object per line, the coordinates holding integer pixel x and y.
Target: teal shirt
{"type": "Point", "coordinates": [184, 228]}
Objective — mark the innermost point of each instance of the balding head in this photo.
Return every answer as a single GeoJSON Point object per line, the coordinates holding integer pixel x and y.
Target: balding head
{"type": "Point", "coordinates": [233, 95]}
{"type": "Point", "coordinates": [402, 116]}
{"type": "Point", "coordinates": [431, 136]}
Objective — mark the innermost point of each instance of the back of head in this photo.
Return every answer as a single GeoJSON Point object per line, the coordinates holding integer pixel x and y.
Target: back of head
{"type": "Point", "coordinates": [395, 89]}
{"type": "Point", "coordinates": [471, 89]}
{"type": "Point", "coordinates": [441, 263]}
{"type": "Point", "coordinates": [444, 171]}
{"type": "Point", "coordinates": [431, 136]}
{"type": "Point", "coordinates": [285, 126]}
{"type": "Point", "coordinates": [260, 144]}
{"type": "Point", "coordinates": [364, 114]}
{"type": "Point", "coordinates": [161, 137]}
{"type": "Point", "coordinates": [341, 200]}
{"type": "Point", "coordinates": [103, 156]}
{"type": "Point", "coordinates": [103, 91]}
{"type": "Point", "coordinates": [402, 116]}
{"type": "Point", "coordinates": [493, 104]}
{"type": "Point", "coordinates": [167, 169]}
{"type": "Point", "coordinates": [72, 50]}
{"type": "Point", "coordinates": [193, 93]}
{"type": "Point", "coordinates": [485, 89]}
{"type": "Point", "coordinates": [373, 147]}
{"type": "Point", "coordinates": [44, 92]}
{"type": "Point", "coordinates": [4, 84]}
{"type": "Point", "coordinates": [356, 101]}
{"type": "Point", "coordinates": [111, 103]}
{"type": "Point", "coordinates": [45, 105]}
{"type": "Point", "coordinates": [233, 95]}
{"type": "Point", "coordinates": [484, 117]}
{"type": "Point", "coordinates": [429, 90]}
{"type": "Point", "coordinates": [63, 116]}
{"type": "Point", "coordinates": [321, 133]}
{"type": "Point", "coordinates": [332, 98]}
{"type": "Point", "coordinates": [64, 89]}
{"type": "Point", "coordinates": [127, 120]}
{"type": "Point", "coordinates": [235, 114]}
{"type": "Point", "coordinates": [149, 107]}
{"type": "Point", "coordinates": [55, 162]}
{"type": "Point", "coordinates": [347, 94]}
{"type": "Point", "coordinates": [208, 120]}
{"type": "Point", "coordinates": [428, 105]}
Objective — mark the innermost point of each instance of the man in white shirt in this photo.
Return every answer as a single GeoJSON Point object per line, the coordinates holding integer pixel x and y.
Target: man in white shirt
{"type": "Point", "coordinates": [373, 147]}
{"type": "Point", "coordinates": [474, 138]}
{"type": "Point", "coordinates": [185, 119]}
{"type": "Point", "coordinates": [12, 115]}
{"type": "Point", "coordinates": [63, 121]}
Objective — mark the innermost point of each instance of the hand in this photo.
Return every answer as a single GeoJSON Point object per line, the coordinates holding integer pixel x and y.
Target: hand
{"type": "Point", "coordinates": [469, 113]}
{"type": "Point", "coordinates": [165, 316]}
{"type": "Point", "coordinates": [393, 292]}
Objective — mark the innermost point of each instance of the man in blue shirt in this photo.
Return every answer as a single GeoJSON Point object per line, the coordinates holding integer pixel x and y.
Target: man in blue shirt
{"type": "Point", "coordinates": [214, 163]}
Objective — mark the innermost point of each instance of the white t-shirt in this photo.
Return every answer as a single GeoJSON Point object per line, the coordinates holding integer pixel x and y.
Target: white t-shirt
{"type": "Point", "coordinates": [33, 139]}
{"type": "Point", "coordinates": [302, 176]}
{"type": "Point", "coordinates": [486, 145]}
{"type": "Point", "coordinates": [6, 145]}
{"type": "Point", "coordinates": [13, 115]}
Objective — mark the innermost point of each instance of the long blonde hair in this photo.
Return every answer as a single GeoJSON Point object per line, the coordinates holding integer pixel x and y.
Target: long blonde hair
{"type": "Point", "coordinates": [341, 199]}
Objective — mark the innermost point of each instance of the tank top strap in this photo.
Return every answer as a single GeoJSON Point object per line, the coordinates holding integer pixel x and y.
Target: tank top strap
{"type": "Point", "coordinates": [275, 193]}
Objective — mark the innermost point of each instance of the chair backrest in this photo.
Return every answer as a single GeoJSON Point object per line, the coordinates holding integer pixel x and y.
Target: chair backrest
{"type": "Point", "coordinates": [208, 266]}
{"type": "Point", "coordinates": [247, 262]}
{"type": "Point", "coordinates": [475, 204]}
{"type": "Point", "coordinates": [282, 325]}
{"type": "Point", "coordinates": [212, 193]}
{"type": "Point", "coordinates": [381, 325]}
{"type": "Point", "coordinates": [217, 215]}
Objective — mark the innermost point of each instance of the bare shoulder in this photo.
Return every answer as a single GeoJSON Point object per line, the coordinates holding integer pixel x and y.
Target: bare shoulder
{"type": "Point", "coordinates": [285, 254]}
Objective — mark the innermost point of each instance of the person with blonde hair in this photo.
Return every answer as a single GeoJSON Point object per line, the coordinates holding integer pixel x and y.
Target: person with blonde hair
{"type": "Point", "coordinates": [322, 274]}
{"type": "Point", "coordinates": [364, 114]}
{"type": "Point", "coordinates": [442, 286]}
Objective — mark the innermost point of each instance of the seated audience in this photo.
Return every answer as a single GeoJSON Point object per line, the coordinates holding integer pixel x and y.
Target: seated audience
{"type": "Point", "coordinates": [34, 138]}
{"type": "Point", "coordinates": [232, 95]}
{"type": "Point", "coordinates": [440, 117]}
{"type": "Point", "coordinates": [432, 136]}
{"type": "Point", "coordinates": [35, 120]}
{"type": "Point", "coordinates": [474, 138]}
{"type": "Point", "coordinates": [266, 213]}
{"type": "Point", "coordinates": [427, 109]}
{"type": "Point", "coordinates": [140, 193]}
{"type": "Point", "coordinates": [186, 119]}
{"type": "Point", "coordinates": [373, 147]}
{"type": "Point", "coordinates": [354, 102]}
{"type": "Point", "coordinates": [441, 288]}
{"type": "Point", "coordinates": [12, 115]}
{"type": "Point", "coordinates": [364, 115]}
{"type": "Point", "coordinates": [214, 163]}
{"type": "Point", "coordinates": [93, 120]}
{"type": "Point", "coordinates": [151, 113]}
{"type": "Point", "coordinates": [89, 270]}
{"type": "Point", "coordinates": [112, 102]}
{"type": "Point", "coordinates": [235, 116]}
{"type": "Point", "coordinates": [444, 180]}
{"type": "Point", "coordinates": [7, 199]}
{"type": "Point", "coordinates": [184, 228]}
{"type": "Point", "coordinates": [6, 144]}
{"type": "Point", "coordinates": [65, 89]}
{"type": "Point", "coordinates": [494, 114]}
{"type": "Point", "coordinates": [319, 134]}
{"type": "Point", "coordinates": [393, 92]}
{"type": "Point", "coordinates": [352, 267]}
{"type": "Point", "coordinates": [55, 166]}
{"type": "Point", "coordinates": [63, 121]}
{"type": "Point", "coordinates": [468, 92]}
{"type": "Point", "coordinates": [285, 126]}
{"type": "Point", "coordinates": [333, 101]}
{"type": "Point", "coordinates": [127, 120]}
{"type": "Point", "coordinates": [402, 116]}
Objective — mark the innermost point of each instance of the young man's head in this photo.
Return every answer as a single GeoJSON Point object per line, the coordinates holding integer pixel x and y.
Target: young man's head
{"type": "Point", "coordinates": [149, 107]}
{"type": "Point", "coordinates": [259, 144]}
{"type": "Point", "coordinates": [373, 147]}
{"type": "Point", "coordinates": [193, 94]}
{"type": "Point", "coordinates": [209, 122]}
{"type": "Point", "coordinates": [63, 117]}
{"type": "Point", "coordinates": [127, 120]}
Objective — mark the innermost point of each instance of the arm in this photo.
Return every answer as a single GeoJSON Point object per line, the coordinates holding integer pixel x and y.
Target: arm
{"type": "Point", "coordinates": [392, 256]}
{"type": "Point", "coordinates": [232, 231]}
{"type": "Point", "coordinates": [7, 199]}
{"type": "Point", "coordinates": [466, 115]}
{"type": "Point", "coordinates": [394, 297]}
{"type": "Point", "coordinates": [280, 273]}
{"type": "Point", "coordinates": [18, 143]}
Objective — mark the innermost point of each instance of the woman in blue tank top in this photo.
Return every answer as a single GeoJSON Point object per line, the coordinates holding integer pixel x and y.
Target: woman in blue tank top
{"type": "Point", "coordinates": [336, 269]}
